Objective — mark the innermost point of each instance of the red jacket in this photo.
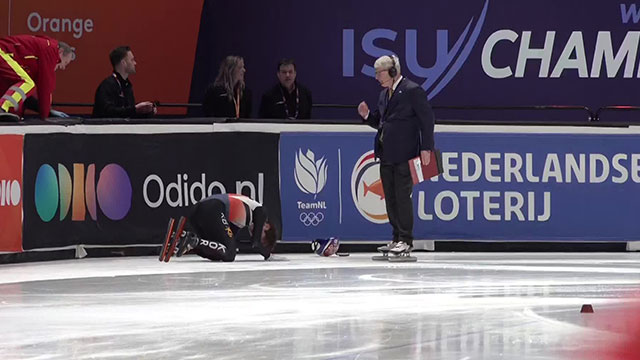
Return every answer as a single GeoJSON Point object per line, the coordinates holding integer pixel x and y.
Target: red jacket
{"type": "Point", "coordinates": [38, 55]}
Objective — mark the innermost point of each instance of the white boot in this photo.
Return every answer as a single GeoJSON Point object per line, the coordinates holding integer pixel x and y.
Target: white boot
{"type": "Point", "coordinates": [387, 247]}
{"type": "Point", "coordinates": [401, 247]}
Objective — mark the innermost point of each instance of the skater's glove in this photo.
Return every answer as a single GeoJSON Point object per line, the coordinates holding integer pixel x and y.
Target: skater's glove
{"type": "Point", "coordinates": [276, 258]}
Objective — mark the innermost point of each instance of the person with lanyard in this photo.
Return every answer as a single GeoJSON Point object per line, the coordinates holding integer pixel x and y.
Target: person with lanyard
{"type": "Point", "coordinates": [214, 223]}
{"type": "Point", "coordinates": [287, 99]}
{"type": "Point", "coordinates": [228, 96]}
{"type": "Point", "coordinates": [114, 96]}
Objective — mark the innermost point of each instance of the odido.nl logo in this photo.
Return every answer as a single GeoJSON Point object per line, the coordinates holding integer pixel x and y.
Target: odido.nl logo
{"type": "Point", "coordinates": [366, 189]}
{"type": "Point", "coordinates": [53, 192]}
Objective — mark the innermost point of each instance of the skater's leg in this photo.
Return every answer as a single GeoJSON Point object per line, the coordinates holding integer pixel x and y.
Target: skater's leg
{"type": "Point", "coordinates": [222, 250]}
{"type": "Point", "coordinates": [217, 240]}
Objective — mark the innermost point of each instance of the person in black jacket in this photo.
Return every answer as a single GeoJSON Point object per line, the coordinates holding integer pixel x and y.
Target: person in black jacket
{"type": "Point", "coordinates": [114, 96]}
{"type": "Point", "coordinates": [287, 99]}
{"type": "Point", "coordinates": [227, 96]}
{"type": "Point", "coordinates": [405, 125]}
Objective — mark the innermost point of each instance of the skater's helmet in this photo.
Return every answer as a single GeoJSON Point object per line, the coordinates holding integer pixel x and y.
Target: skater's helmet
{"type": "Point", "coordinates": [325, 247]}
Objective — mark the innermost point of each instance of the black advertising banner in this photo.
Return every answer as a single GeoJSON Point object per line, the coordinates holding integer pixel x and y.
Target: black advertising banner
{"type": "Point", "coordinates": [120, 189]}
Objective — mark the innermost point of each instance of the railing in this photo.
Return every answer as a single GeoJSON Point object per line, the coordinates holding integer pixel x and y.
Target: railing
{"type": "Point", "coordinates": [170, 105]}
{"type": "Point", "coordinates": [618, 108]}
{"type": "Point", "coordinates": [592, 118]}
{"type": "Point", "coordinates": [589, 114]}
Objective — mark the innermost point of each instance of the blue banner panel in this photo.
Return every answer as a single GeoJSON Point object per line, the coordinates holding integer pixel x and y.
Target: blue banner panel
{"type": "Point", "coordinates": [473, 52]}
{"type": "Point", "coordinates": [496, 186]}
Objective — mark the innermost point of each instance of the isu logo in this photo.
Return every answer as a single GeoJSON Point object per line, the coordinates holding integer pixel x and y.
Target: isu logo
{"type": "Point", "coordinates": [449, 59]}
{"type": "Point", "coordinates": [366, 189]}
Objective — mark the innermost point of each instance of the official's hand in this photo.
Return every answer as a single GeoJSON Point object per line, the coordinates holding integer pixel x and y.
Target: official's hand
{"type": "Point", "coordinates": [363, 109]}
{"type": "Point", "coordinates": [144, 107]}
{"type": "Point", "coordinates": [56, 113]}
{"type": "Point", "coordinates": [425, 157]}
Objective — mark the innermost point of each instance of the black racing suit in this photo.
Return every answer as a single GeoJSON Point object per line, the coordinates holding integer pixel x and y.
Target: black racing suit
{"type": "Point", "coordinates": [217, 219]}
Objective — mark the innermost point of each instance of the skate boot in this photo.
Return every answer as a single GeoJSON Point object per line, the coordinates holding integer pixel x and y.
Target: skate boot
{"type": "Point", "coordinates": [401, 253]}
{"type": "Point", "coordinates": [9, 117]}
{"type": "Point", "coordinates": [188, 241]}
{"type": "Point", "coordinates": [384, 249]}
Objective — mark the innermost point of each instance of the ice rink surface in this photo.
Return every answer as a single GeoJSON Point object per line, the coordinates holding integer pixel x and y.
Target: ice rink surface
{"type": "Point", "coordinates": [458, 306]}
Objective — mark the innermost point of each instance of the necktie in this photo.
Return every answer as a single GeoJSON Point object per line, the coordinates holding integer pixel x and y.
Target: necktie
{"type": "Point", "coordinates": [390, 94]}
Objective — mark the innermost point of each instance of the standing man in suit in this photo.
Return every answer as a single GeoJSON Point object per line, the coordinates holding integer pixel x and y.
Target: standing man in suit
{"type": "Point", "coordinates": [405, 123]}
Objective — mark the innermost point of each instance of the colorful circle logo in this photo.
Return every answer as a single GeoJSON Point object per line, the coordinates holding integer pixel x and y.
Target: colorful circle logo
{"type": "Point", "coordinates": [113, 192]}
{"type": "Point", "coordinates": [366, 189]}
{"type": "Point", "coordinates": [47, 194]}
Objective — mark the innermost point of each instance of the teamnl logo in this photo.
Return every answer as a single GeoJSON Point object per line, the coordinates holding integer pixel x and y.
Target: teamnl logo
{"type": "Point", "coordinates": [311, 177]}
{"type": "Point", "coordinates": [449, 60]}
{"type": "Point", "coordinates": [81, 194]}
{"type": "Point", "coordinates": [366, 189]}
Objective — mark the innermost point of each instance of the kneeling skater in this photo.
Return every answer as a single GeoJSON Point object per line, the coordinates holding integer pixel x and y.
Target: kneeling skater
{"type": "Point", "coordinates": [215, 221]}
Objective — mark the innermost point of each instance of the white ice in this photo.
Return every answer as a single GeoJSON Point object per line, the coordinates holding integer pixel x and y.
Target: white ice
{"type": "Point", "coordinates": [458, 306]}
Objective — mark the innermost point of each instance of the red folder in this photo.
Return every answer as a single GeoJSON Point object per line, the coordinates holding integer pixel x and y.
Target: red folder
{"type": "Point", "coordinates": [420, 172]}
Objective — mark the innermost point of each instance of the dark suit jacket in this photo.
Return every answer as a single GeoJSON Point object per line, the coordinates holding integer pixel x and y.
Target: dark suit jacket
{"type": "Point", "coordinates": [405, 123]}
{"type": "Point", "coordinates": [272, 105]}
{"type": "Point", "coordinates": [216, 103]}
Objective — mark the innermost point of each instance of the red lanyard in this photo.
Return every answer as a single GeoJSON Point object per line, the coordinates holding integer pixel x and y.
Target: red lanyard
{"type": "Point", "coordinates": [119, 85]}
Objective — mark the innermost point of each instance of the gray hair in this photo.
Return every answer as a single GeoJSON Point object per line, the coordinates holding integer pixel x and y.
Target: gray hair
{"type": "Point", "coordinates": [386, 62]}
{"type": "Point", "coordinates": [67, 49]}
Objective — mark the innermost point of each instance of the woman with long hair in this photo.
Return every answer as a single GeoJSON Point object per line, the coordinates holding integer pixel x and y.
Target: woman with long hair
{"type": "Point", "coordinates": [228, 96]}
